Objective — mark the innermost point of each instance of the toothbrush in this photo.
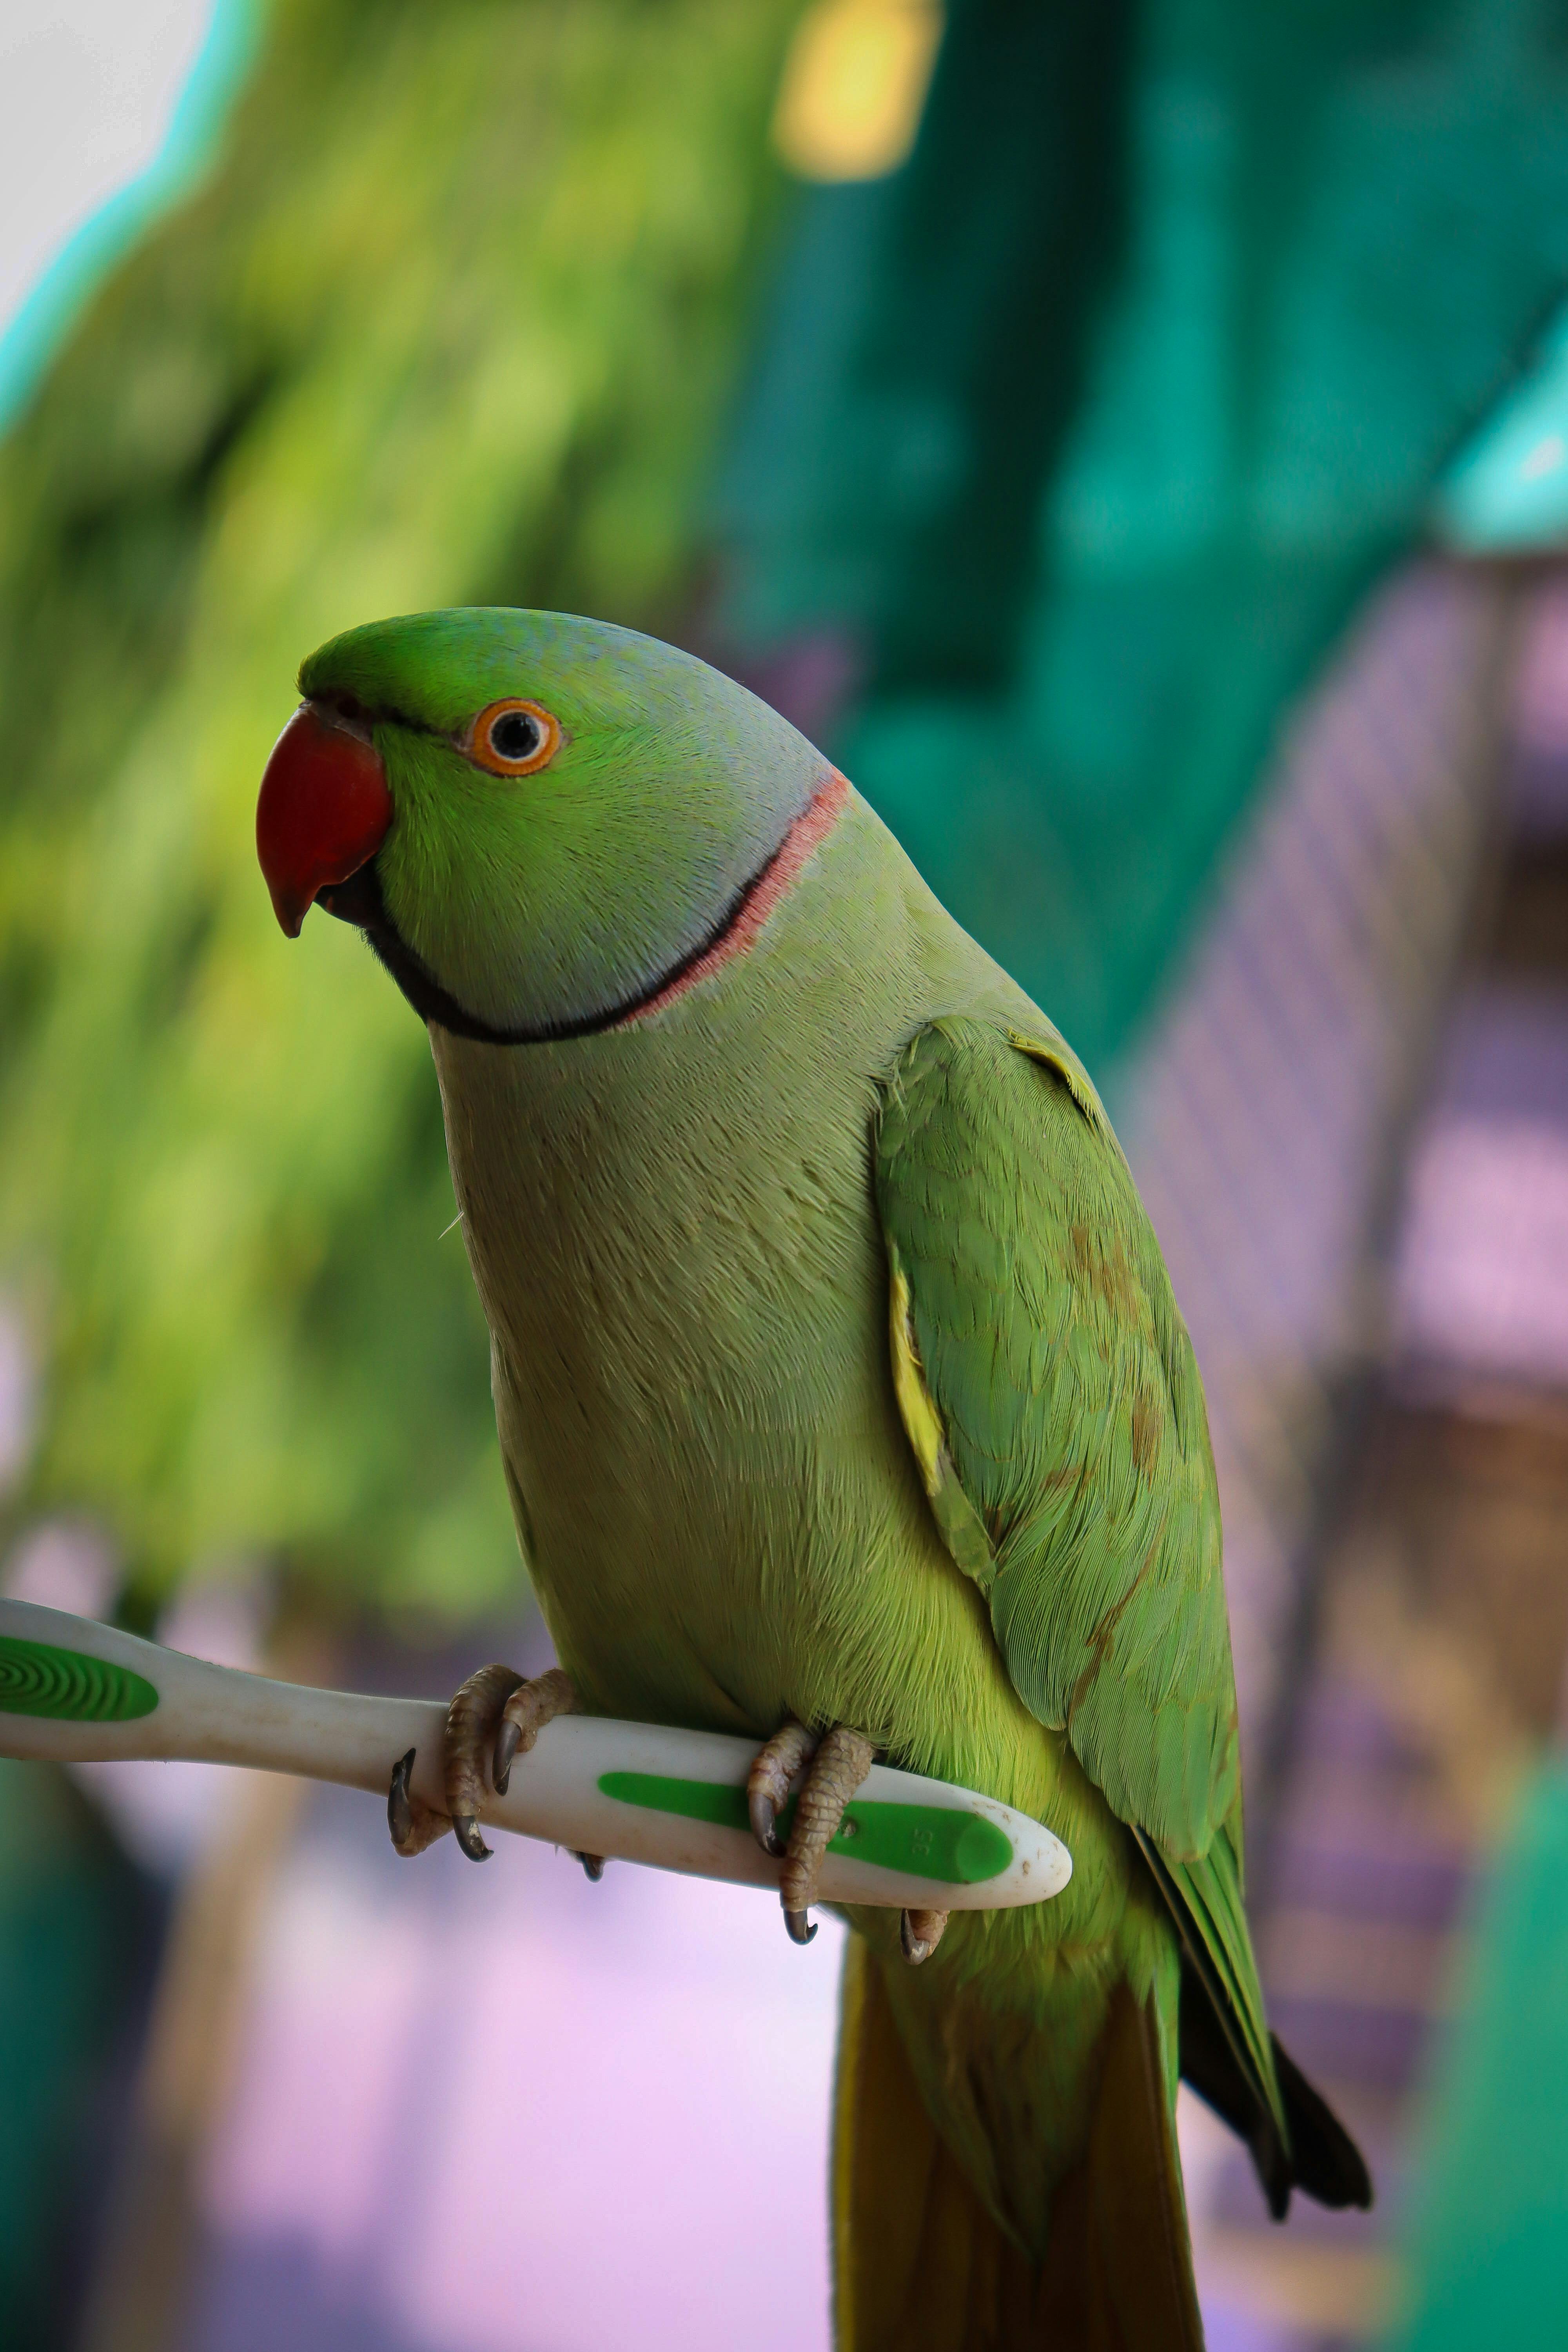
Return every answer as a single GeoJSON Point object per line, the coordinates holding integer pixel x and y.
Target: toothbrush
{"type": "Point", "coordinates": [72, 1691]}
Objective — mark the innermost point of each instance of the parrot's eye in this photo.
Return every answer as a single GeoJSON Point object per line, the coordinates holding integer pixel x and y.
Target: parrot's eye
{"type": "Point", "coordinates": [513, 738]}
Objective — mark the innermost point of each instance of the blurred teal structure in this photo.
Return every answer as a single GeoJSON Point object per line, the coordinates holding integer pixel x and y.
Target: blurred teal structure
{"type": "Point", "coordinates": [1490, 2241]}
{"type": "Point", "coordinates": [1086, 430]}
{"type": "Point", "coordinates": [79, 1933]}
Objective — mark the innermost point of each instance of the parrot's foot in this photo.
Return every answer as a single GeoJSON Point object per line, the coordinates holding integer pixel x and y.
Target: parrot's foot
{"type": "Point", "coordinates": [495, 1717]}
{"type": "Point", "coordinates": [840, 1762]}
{"type": "Point", "coordinates": [919, 1933]}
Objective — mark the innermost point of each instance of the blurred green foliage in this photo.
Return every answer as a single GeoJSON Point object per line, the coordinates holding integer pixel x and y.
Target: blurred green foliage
{"type": "Point", "coordinates": [451, 322]}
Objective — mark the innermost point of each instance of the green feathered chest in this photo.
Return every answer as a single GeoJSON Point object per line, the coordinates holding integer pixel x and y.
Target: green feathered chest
{"type": "Point", "coordinates": [673, 1230]}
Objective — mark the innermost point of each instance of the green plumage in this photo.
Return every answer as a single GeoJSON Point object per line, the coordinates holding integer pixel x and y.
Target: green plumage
{"type": "Point", "coordinates": [1065, 1383]}
{"type": "Point", "coordinates": [1066, 1386]}
{"type": "Point", "coordinates": [838, 1375]}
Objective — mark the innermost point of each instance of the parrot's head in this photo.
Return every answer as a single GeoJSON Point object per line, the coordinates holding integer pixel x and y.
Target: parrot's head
{"type": "Point", "coordinates": [541, 822]}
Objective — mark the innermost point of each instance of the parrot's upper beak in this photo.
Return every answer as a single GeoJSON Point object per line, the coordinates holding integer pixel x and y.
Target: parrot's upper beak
{"type": "Point", "coordinates": [324, 810]}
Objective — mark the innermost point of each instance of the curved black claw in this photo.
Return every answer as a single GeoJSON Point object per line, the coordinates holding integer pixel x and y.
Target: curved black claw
{"type": "Point", "coordinates": [399, 1808]}
{"type": "Point", "coordinates": [508, 1740]}
{"type": "Point", "coordinates": [760, 1805]}
{"type": "Point", "coordinates": [800, 1929]}
{"type": "Point", "coordinates": [468, 1835]}
{"type": "Point", "coordinates": [594, 1863]}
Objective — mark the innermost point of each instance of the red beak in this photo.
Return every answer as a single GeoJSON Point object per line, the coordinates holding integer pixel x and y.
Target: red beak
{"type": "Point", "coordinates": [324, 809]}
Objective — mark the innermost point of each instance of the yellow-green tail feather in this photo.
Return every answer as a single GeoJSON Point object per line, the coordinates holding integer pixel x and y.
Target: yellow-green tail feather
{"type": "Point", "coordinates": [922, 2266]}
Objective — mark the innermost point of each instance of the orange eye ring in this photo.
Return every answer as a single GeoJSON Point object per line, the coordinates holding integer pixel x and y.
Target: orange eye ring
{"type": "Point", "coordinates": [513, 738]}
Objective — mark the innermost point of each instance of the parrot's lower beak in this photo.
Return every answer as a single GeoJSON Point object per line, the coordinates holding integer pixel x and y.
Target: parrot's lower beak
{"type": "Point", "coordinates": [323, 813]}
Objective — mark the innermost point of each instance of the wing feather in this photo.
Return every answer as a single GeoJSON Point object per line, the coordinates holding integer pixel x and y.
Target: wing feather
{"type": "Point", "coordinates": [1052, 1400]}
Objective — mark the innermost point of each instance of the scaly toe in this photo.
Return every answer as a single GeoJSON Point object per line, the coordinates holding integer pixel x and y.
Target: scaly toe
{"type": "Point", "coordinates": [528, 1707]}
{"type": "Point", "coordinates": [767, 1784]}
{"type": "Point", "coordinates": [470, 1733]}
{"type": "Point", "coordinates": [842, 1760]}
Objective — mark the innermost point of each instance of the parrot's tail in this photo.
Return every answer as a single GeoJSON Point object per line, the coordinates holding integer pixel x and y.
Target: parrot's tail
{"type": "Point", "coordinates": [922, 2266]}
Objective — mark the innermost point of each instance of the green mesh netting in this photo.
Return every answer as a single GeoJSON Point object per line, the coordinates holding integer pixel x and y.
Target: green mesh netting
{"type": "Point", "coordinates": [1091, 426]}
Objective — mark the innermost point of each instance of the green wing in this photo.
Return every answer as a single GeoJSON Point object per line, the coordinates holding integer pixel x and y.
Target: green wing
{"type": "Point", "coordinates": [1050, 1394]}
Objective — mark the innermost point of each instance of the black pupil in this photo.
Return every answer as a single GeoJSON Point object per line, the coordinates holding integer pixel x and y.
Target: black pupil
{"type": "Point", "coordinates": [515, 735]}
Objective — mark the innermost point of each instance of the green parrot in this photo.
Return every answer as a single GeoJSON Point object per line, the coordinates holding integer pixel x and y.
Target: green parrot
{"type": "Point", "coordinates": [843, 1402]}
